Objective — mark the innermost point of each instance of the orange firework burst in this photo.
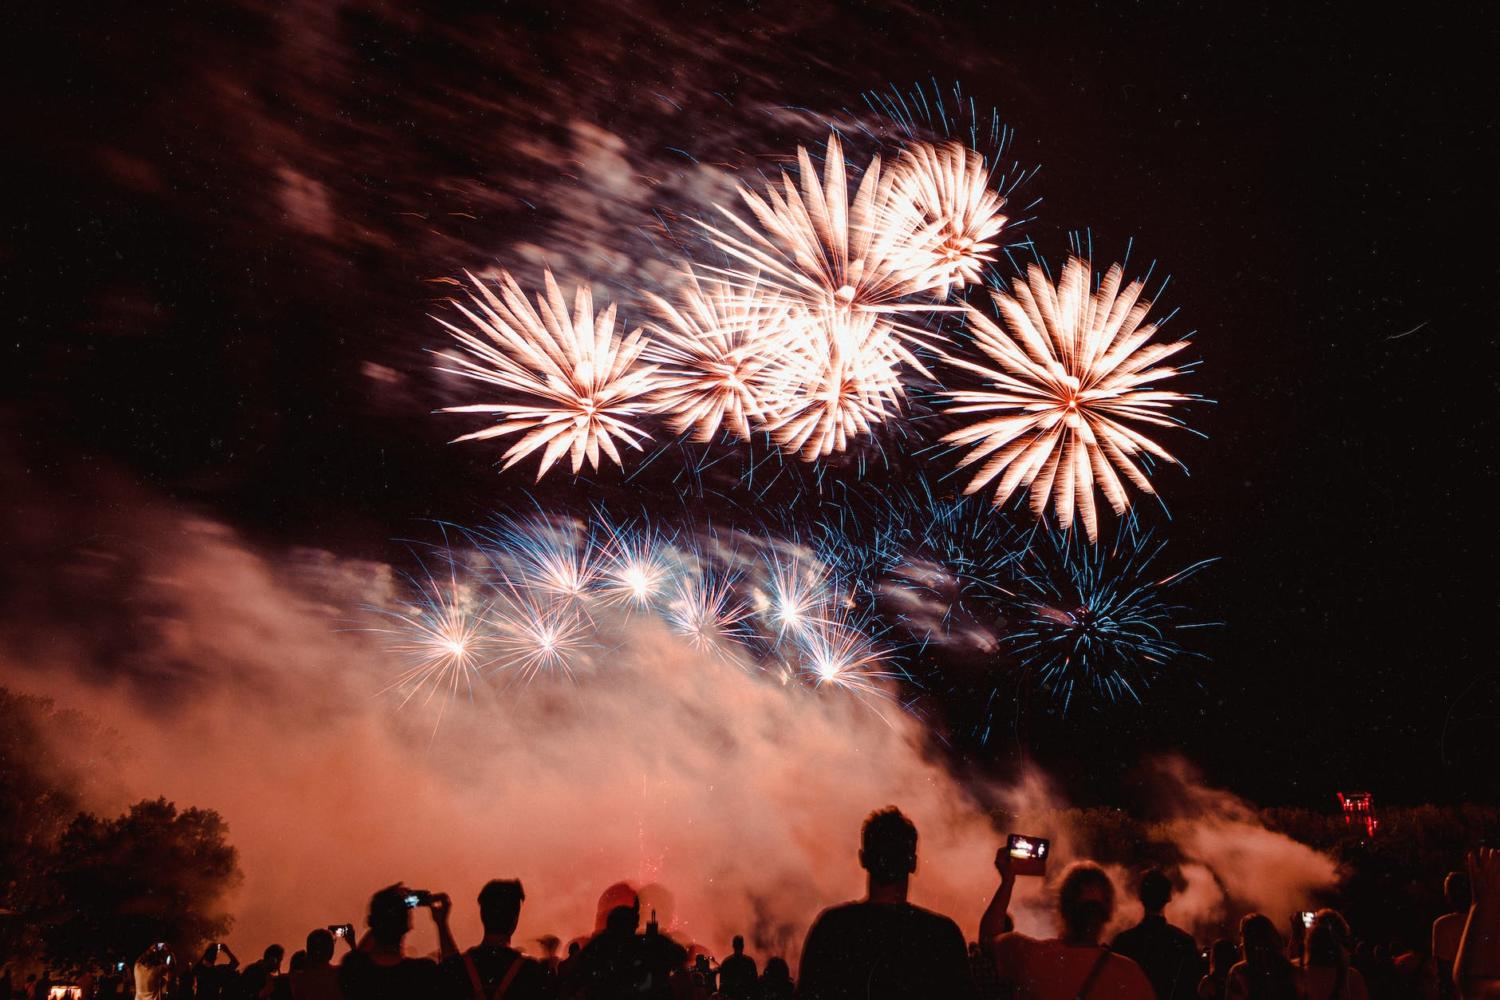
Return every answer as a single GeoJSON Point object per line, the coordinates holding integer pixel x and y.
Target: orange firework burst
{"type": "Point", "coordinates": [1072, 368]}
{"type": "Point", "coordinates": [950, 211]}
{"type": "Point", "coordinates": [584, 382]}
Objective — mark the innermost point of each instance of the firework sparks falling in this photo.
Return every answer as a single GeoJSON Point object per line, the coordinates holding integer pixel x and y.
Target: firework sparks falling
{"type": "Point", "coordinates": [1073, 368]}
{"type": "Point", "coordinates": [583, 383]}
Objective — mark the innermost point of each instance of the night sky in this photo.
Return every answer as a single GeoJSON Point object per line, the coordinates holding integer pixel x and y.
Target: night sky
{"type": "Point", "coordinates": [226, 226]}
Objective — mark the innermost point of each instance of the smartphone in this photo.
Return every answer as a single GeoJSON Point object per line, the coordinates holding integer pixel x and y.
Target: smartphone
{"type": "Point", "coordinates": [1028, 855]}
{"type": "Point", "coordinates": [342, 930]}
{"type": "Point", "coordinates": [417, 897]}
{"type": "Point", "coordinates": [215, 949]}
{"type": "Point", "coordinates": [1307, 917]}
{"type": "Point", "coordinates": [119, 966]}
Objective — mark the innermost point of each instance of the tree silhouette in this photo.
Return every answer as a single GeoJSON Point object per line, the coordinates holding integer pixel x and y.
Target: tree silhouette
{"type": "Point", "coordinates": [153, 874]}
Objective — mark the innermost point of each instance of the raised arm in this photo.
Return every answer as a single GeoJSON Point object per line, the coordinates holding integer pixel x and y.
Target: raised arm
{"type": "Point", "coordinates": [441, 905]}
{"type": "Point", "coordinates": [992, 924]}
{"type": "Point", "coordinates": [1476, 970]}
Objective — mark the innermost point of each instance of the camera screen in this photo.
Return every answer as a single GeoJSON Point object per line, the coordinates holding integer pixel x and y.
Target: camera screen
{"type": "Point", "coordinates": [1028, 847]}
{"type": "Point", "coordinates": [1307, 917]}
{"type": "Point", "coordinates": [413, 900]}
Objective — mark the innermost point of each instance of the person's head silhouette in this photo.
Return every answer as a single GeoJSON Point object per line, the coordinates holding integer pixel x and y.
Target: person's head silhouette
{"type": "Point", "coordinates": [500, 907]}
{"type": "Point", "coordinates": [273, 956]}
{"type": "Point", "coordinates": [738, 944]}
{"type": "Point", "coordinates": [319, 947]}
{"type": "Point", "coordinates": [617, 896]}
{"type": "Point", "coordinates": [1086, 901]}
{"type": "Point", "coordinates": [1260, 942]}
{"type": "Point", "coordinates": [1154, 890]}
{"type": "Point", "coordinates": [1456, 891]}
{"type": "Point", "coordinates": [888, 852]}
{"type": "Point", "coordinates": [389, 918]}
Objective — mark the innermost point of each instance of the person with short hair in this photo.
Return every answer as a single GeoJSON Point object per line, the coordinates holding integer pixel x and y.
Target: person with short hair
{"type": "Point", "coordinates": [492, 969]}
{"type": "Point", "coordinates": [379, 969]}
{"type": "Point", "coordinates": [318, 978]}
{"type": "Point", "coordinates": [1074, 964]}
{"type": "Point", "coordinates": [737, 973]}
{"type": "Point", "coordinates": [883, 947]}
{"type": "Point", "coordinates": [1167, 954]}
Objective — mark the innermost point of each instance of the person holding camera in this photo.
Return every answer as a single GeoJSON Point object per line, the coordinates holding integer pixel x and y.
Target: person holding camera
{"type": "Point", "coordinates": [1074, 964]}
{"type": "Point", "coordinates": [318, 978]}
{"type": "Point", "coordinates": [379, 969]}
{"type": "Point", "coordinates": [213, 979]}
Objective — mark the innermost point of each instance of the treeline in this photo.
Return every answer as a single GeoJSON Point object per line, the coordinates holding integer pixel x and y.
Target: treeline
{"type": "Point", "coordinates": [78, 889]}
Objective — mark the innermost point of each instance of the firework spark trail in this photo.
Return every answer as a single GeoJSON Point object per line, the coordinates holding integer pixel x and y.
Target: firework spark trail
{"type": "Point", "coordinates": [1072, 368]}
{"type": "Point", "coordinates": [586, 382]}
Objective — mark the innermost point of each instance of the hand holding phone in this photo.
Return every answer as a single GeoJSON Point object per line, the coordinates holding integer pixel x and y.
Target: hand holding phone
{"type": "Point", "coordinates": [1028, 855]}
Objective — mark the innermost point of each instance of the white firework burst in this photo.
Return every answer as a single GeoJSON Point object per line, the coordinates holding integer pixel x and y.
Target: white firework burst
{"type": "Point", "coordinates": [949, 211]}
{"type": "Point", "coordinates": [716, 350]}
{"type": "Point", "coordinates": [582, 384]}
{"type": "Point", "coordinates": [1073, 368]}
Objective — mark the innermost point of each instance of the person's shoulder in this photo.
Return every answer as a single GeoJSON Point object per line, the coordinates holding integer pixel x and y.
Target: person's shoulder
{"type": "Point", "coordinates": [1182, 937]}
{"type": "Point", "coordinates": [1132, 978]}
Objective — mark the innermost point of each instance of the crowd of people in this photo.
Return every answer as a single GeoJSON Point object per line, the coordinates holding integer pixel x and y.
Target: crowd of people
{"type": "Point", "coordinates": [881, 947]}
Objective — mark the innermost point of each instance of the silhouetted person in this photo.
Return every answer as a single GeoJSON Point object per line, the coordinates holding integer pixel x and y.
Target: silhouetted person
{"type": "Point", "coordinates": [1263, 971]}
{"type": "Point", "coordinates": [153, 971]}
{"type": "Point", "coordinates": [776, 981]}
{"type": "Point", "coordinates": [258, 980]}
{"type": "Point", "coordinates": [617, 962]}
{"type": "Point", "coordinates": [1215, 983]}
{"type": "Point", "coordinates": [213, 979]}
{"type": "Point", "coordinates": [318, 979]}
{"type": "Point", "coordinates": [882, 946]}
{"type": "Point", "coordinates": [1448, 928]}
{"type": "Point", "coordinates": [737, 979]}
{"type": "Point", "coordinates": [492, 969]}
{"type": "Point", "coordinates": [1167, 954]}
{"type": "Point", "coordinates": [379, 969]}
{"type": "Point", "coordinates": [1073, 965]}
{"type": "Point", "coordinates": [1326, 972]}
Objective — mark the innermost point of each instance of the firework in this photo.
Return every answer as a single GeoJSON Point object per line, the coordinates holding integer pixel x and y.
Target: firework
{"type": "Point", "coordinates": [839, 654]}
{"type": "Point", "coordinates": [1073, 368]}
{"type": "Point", "coordinates": [813, 244]}
{"type": "Point", "coordinates": [717, 350]}
{"type": "Point", "coordinates": [583, 384]}
{"type": "Point", "coordinates": [534, 635]}
{"type": "Point", "coordinates": [441, 631]}
{"type": "Point", "coordinates": [838, 382]}
{"type": "Point", "coordinates": [1098, 618]}
{"type": "Point", "coordinates": [705, 609]}
{"type": "Point", "coordinates": [949, 211]}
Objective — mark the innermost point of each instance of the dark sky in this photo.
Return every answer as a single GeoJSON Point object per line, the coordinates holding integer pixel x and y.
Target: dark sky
{"type": "Point", "coordinates": [225, 224]}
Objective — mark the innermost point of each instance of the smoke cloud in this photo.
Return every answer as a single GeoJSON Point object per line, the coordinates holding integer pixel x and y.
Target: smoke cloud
{"type": "Point", "coordinates": [237, 682]}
